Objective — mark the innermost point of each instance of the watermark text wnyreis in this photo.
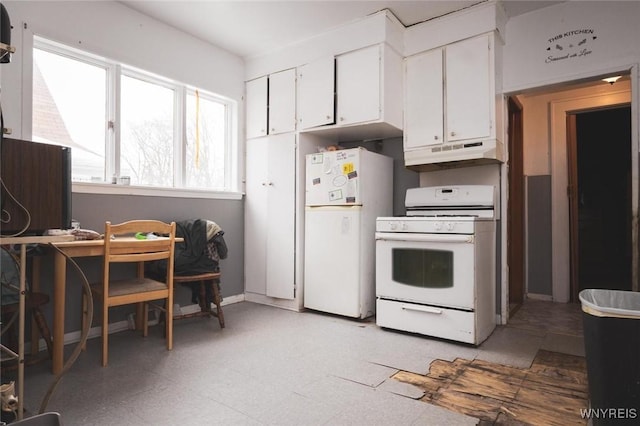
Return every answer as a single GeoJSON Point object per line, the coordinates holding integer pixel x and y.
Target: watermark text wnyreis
{"type": "Point", "coordinates": [609, 413]}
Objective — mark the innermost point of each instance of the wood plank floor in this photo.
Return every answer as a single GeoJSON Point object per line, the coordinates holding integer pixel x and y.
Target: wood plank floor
{"type": "Point", "coordinates": [551, 392]}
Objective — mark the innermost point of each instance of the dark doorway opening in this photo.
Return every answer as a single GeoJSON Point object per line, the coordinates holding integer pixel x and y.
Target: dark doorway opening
{"type": "Point", "coordinates": [515, 207]}
{"type": "Point", "coordinates": [602, 235]}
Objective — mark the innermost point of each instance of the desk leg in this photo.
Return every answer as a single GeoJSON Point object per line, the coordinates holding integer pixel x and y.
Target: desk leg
{"type": "Point", "coordinates": [60, 267]}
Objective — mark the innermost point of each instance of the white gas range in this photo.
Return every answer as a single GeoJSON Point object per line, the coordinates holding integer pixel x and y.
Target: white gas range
{"type": "Point", "coordinates": [435, 267]}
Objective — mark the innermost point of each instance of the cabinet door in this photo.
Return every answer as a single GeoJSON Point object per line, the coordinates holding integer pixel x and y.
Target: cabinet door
{"type": "Point", "coordinates": [316, 93]}
{"type": "Point", "coordinates": [270, 216]}
{"type": "Point", "coordinates": [256, 107]}
{"type": "Point", "coordinates": [282, 102]}
{"type": "Point", "coordinates": [255, 217]}
{"type": "Point", "coordinates": [424, 112]}
{"type": "Point", "coordinates": [358, 86]}
{"type": "Point", "coordinates": [468, 89]}
{"type": "Point", "coordinates": [280, 244]}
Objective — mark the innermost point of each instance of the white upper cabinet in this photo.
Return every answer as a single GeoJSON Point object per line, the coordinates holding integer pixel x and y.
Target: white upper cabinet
{"type": "Point", "coordinates": [282, 102]}
{"type": "Point", "coordinates": [468, 89]}
{"type": "Point", "coordinates": [257, 107]}
{"type": "Point", "coordinates": [316, 93]}
{"type": "Point", "coordinates": [358, 78]}
{"type": "Point", "coordinates": [424, 112]}
{"type": "Point", "coordinates": [354, 95]}
{"type": "Point", "coordinates": [271, 104]}
{"type": "Point", "coordinates": [451, 108]}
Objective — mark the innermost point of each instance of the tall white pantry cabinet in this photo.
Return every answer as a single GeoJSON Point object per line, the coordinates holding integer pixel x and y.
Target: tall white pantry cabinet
{"type": "Point", "coordinates": [274, 217]}
{"type": "Point", "coordinates": [270, 216]}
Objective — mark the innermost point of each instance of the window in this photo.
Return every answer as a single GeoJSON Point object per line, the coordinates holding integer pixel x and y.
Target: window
{"type": "Point", "coordinates": [71, 111]}
{"type": "Point", "coordinates": [124, 122]}
{"type": "Point", "coordinates": [206, 122]}
{"type": "Point", "coordinates": [146, 132]}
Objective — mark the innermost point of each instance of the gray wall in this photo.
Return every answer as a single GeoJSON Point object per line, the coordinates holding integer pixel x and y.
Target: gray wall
{"type": "Point", "coordinates": [93, 210]}
{"type": "Point", "coordinates": [539, 280]}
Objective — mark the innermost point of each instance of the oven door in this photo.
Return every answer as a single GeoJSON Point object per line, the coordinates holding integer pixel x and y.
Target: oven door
{"type": "Point", "coordinates": [432, 269]}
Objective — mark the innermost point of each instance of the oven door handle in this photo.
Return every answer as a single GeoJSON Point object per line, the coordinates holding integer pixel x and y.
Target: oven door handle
{"type": "Point", "coordinates": [424, 238]}
{"type": "Point", "coordinates": [420, 308]}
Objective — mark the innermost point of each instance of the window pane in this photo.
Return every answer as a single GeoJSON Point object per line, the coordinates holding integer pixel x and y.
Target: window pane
{"type": "Point", "coordinates": [206, 143]}
{"type": "Point", "coordinates": [69, 108]}
{"type": "Point", "coordinates": [146, 133]}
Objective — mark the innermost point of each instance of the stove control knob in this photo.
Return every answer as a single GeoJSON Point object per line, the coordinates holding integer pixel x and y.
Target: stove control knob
{"type": "Point", "coordinates": [393, 226]}
{"type": "Point", "coordinates": [450, 226]}
{"type": "Point", "coordinates": [405, 227]}
{"type": "Point", "coordinates": [438, 226]}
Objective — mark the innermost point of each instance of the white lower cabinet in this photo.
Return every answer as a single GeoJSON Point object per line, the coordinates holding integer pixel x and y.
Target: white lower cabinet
{"type": "Point", "coordinates": [437, 322]}
{"type": "Point", "coordinates": [270, 216]}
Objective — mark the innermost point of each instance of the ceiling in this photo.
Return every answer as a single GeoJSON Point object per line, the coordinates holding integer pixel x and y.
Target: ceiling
{"type": "Point", "coordinates": [252, 28]}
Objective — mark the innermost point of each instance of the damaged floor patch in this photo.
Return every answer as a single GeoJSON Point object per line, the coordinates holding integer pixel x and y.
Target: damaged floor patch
{"type": "Point", "coordinates": [551, 392]}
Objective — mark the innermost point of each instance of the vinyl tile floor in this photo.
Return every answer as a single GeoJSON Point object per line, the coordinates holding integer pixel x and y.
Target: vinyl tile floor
{"type": "Point", "coordinates": [271, 366]}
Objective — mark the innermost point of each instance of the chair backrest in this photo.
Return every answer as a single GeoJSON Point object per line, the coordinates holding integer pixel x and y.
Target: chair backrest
{"type": "Point", "coordinates": [139, 241]}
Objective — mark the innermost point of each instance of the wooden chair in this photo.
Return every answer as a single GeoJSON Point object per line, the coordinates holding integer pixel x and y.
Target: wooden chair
{"type": "Point", "coordinates": [213, 280]}
{"type": "Point", "coordinates": [122, 246]}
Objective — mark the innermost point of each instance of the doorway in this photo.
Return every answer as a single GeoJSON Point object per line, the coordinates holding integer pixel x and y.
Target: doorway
{"type": "Point", "coordinates": [600, 210]}
{"type": "Point", "coordinates": [515, 208]}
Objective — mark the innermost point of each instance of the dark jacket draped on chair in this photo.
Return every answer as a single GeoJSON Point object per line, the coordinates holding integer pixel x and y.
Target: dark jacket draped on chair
{"type": "Point", "coordinates": [200, 252]}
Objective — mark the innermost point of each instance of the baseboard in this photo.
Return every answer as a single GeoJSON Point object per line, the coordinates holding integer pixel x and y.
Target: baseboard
{"type": "Point", "coordinates": [543, 297]}
{"type": "Point", "coordinates": [115, 327]}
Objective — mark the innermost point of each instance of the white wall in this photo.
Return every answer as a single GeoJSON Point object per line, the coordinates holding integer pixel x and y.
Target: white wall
{"type": "Point", "coordinates": [116, 32]}
{"type": "Point", "coordinates": [596, 37]}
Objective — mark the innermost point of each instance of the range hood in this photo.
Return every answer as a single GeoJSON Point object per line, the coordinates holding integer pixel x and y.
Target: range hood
{"type": "Point", "coordinates": [450, 155]}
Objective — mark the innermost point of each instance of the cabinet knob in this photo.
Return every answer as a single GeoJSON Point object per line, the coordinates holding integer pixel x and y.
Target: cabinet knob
{"type": "Point", "coordinates": [273, 130]}
{"type": "Point", "coordinates": [436, 137]}
{"type": "Point", "coordinates": [341, 118]}
{"type": "Point", "coordinates": [453, 133]}
{"type": "Point", "coordinates": [328, 117]}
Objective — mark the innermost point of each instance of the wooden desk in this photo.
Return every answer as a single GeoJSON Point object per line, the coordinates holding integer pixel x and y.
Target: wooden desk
{"type": "Point", "coordinates": [83, 248]}
{"type": "Point", "coordinates": [23, 242]}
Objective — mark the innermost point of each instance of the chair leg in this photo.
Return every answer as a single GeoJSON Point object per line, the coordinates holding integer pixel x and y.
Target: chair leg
{"type": "Point", "coordinates": [202, 300]}
{"type": "Point", "coordinates": [217, 301]}
{"type": "Point", "coordinates": [43, 328]}
{"type": "Point", "coordinates": [140, 316]}
{"type": "Point", "coordinates": [145, 319]}
{"type": "Point", "coordinates": [169, 321]}
{"type": "Point", "coordinates": [105, 334]}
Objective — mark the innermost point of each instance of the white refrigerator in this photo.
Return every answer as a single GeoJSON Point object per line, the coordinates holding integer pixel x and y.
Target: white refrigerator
{"type": "Point", "coordinates": [346, 190]}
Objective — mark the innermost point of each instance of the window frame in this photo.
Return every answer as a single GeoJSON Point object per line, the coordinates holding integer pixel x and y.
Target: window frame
{"type": "Point", "coordinates": [115, 71]}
